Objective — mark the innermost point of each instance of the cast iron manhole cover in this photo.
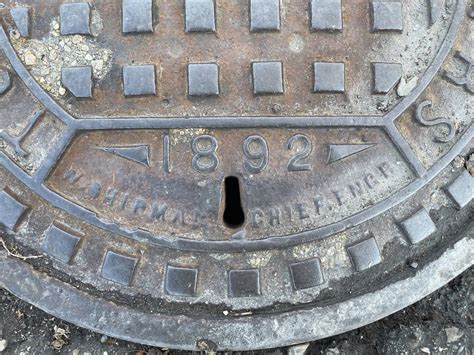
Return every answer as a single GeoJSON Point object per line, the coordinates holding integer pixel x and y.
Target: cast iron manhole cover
{"type": "Point", "coordinates": [204, 174]}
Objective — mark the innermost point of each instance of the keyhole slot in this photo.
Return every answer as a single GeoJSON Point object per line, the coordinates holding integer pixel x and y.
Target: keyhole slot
{"type": "Point", "coordinates": [234, 216]}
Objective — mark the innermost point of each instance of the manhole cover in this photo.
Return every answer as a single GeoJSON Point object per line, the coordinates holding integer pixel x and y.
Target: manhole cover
{"type": "Point", "coordinates": [208, 174]}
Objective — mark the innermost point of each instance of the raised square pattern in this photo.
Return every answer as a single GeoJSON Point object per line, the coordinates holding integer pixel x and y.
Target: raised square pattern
{"type": "Point", "coordinates": [139, 80]}
{"type": "Point", "coordinates": [78, 81]}
{"type": "Point", "coordinates": [75, 18]}
{"type": "Point", "coordinates": [387, 16]}
{"type": "Point", "coordinates": [244, 283]}
{"type": "Point", "coordinates": [137, 16]}
{"type": "Point", "coordinates": [21, 16]}
{"type": "Point", "coordinates": [60, 244]}
{"type": "Point", "coordinates": [419, 226]}
{"type": "Point", "coordinates": [329, 77]}
{"type": "Point", "coordinates": [326, 15]}
{"type": "Point", "coordinates": [200, 16]}
{"type": "Point", "coordinates": [203, 79]}
{"type": "Point", "coordinates": [119, 268]}
{"type": "Point", "coordinates": [264, 15]}
{"type": "Point", "coordinates": [462, 189]}
{"type": "Point", "coordinates": [365, 254]}
{"type": "Point", "coordinates": [386, 76]}
{"type": "Point", "coordinates": [181, 281]}
{"type": "Point", "coordinates": [306, 274]}
{"type": "Point", "coordinates": [11, 210]}
{"type": "Point", "coordinates": [267, 78]}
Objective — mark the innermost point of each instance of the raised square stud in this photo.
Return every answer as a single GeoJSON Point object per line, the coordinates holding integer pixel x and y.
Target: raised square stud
{"type": "Point", "coordinates": [329, 77]}
{"type": "Point", "coordinates": [75, 18]}
{"type": "Point", "coordinates": [386, 76]}
{"type": "Point", "coordinates": [139, 80]}
{"type": "Point", "coordinates": [137, 16]}
{"type": "Point", "coordinates": [200, 16]}
{"type": "Point", "coordinates": [60, 245]}
{"type": "Point", "coordinates": [264, 15]}
{"type": "Point", "coordinates": [419, 226]}
{"type": "Point", "coordinates": [181, 281]}
{"type": "Point", "coordinates": [387, 16]}
{"type": "Point", "coordinates": [21, 17]}
{"type": "Point", "coordinates": [462, 189]}
{"type": "Point", "coordinates": [78, 81]}
{"type": "Point", "coordinates": [326, 15]}
{"type": "Point", "coordinates": [244, 283]}
{"type": "Point", "coordinates": [11, 210]}
{"type": "Point", "coordinates": [365, 254]}
{"type": "Point", "coordinates": [306, 274]}
{"type": "Point", "coordinates": [118, 268]}
{"type": "Point", "coordinates": [267, 78]}
{"type": "Point", "coordinates": [203, 79]}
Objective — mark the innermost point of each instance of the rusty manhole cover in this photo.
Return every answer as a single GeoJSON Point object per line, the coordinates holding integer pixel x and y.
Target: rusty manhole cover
{"type": "Point", "coordinates": [234, 174]}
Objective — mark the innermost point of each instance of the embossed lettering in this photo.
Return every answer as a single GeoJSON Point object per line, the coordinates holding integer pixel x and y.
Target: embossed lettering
{"type": "Point", "coordinates": [256, 218]}
{"type": "Point", "coordinates": [158, 212]}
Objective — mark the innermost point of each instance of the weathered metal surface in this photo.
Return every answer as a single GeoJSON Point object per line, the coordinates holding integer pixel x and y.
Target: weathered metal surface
{"type": "Point", "coordinates": [219, 174]}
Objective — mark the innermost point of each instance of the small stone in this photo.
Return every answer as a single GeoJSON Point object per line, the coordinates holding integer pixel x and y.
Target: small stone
{"type": "Point", "coordinates": [104, 339]}
{"type": "Point", "coordinates": [459, 162]}
{"type": "Point", "coordinates": [425, 350]}
{"type": "Point", "coordinates": [30, 59]}
{"type": "Point", "coordinates": [62, 91]}
{"type": "Point", "coordinates": [88, 57]}
{"type": "Point", "coordinates": [76, 39]}
{"type": "Point", "coordinates": [3, 344]}
{"type": "Point", "coordinates": [75, 352]}
{"type": "Point", "coordinates": [298, 349]}
{"type": "Point", "coordinates": [453, 334]}
{"type": "Point", "coordinates": [15, 34]}
{"type": "Point", "coordinates": [406, 87]}
{"type": "Point", "coordinates": [98, 64]}
{"type": "Point", "coordinates": [470, 164]}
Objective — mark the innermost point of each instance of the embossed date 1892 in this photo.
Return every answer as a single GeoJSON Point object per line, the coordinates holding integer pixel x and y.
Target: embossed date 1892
{"type": "Point", "coordinates": [256, 153]}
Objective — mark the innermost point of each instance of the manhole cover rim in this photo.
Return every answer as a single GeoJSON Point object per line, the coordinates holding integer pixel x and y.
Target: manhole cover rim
{"type": "Point", "coordinates": [180, 332]}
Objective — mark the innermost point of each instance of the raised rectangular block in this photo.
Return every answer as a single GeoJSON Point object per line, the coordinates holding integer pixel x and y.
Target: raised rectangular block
{"type": "Point", "coordinates": [387, 16]}
{"type": "Point", "coordinates": [60, 244]}
{"type": "Point", "coordinates": [386, 76]}
{"type": "Point", "coordinates": [306, 274]}
{"type": "Point", "coordinates": [365, 254]}
{"type": "Point", "coordinates": [264, 15]}
{"type": "Point", "coordinates": [329, 77]}
{"type": "Point", "coordinates": [203, 79]}
{"type": "Point", "coordinates": [137, 16]}
{"type": "Point", "coordinates": [75, 18]}
{"type": "Point", "coordinates": [118, 268]}
{"type": "Point", "coordinates": [139, 80]}
{"type": "Point", "coordinates": [267, 78]}
{"type": "Point", "coordinates": [21, 16]}
{"type": "Point", "coordinates": [200, 16]}
{"type": "Point", "coordinates": [462, 189]}
{"type": "Point", "coordinates": [244, 283]}
{"type": "Point", "coordinates": [181, 281]}
{"type": "Point", "coordinates": [419, 226]}
{"type": "Point", "coordinates": [78, 81]}
{"type": "Point", "coordinates": [11, 210]}
{"type": "Point", "coordinates": [326, 15]}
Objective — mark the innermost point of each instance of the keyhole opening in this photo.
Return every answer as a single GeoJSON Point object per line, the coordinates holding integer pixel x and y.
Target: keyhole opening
{"type": "Point", "coordinates": [234, 216]}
